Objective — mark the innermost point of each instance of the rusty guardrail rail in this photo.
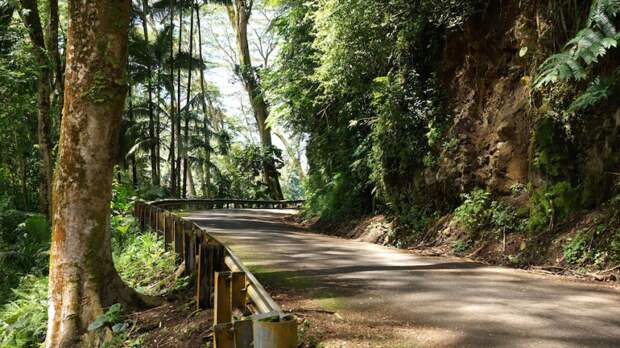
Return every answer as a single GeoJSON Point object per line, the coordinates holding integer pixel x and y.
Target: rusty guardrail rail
{"type": "Point", "coordinates": [244, 313]}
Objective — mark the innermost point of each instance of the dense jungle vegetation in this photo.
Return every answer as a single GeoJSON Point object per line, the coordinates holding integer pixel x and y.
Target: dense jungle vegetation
{"type": "Point", "coordinates": [491, 127]}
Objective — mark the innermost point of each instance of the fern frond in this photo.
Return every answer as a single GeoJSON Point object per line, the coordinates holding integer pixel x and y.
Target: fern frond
{"type": "Point", "coordinates": [558, 67]}
{"type": "Point", "coordinates": [598, 90]}
{"type": "Point", "coordinates": [586, 48]}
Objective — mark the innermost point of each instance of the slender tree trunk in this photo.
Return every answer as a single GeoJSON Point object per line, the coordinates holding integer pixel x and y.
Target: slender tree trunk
{"type": "Point", "coordinates": [52, 43]}
{"type": "Point", "coordinates": [132, 158]}
{"type": "Point", "coordinates": [44, 124]}
{"type": "Point", "coordinates": [172, 148]}
{"type": "Point", "coordinates": [186, 171]}
{"type": "Point", "coordinates": [179, 113]}
{"type": "Point", "coordinates": [206, 171]}
{"type": "Point", "coordinates": [190, 180]}
{"type": "Point", "coordinates": [149, 87]}
{"type": "Point", "coordinates": [158, 126]}
{"type": "Point", "coordinates": [82, 280]}
{"type": "Point", "coordinates": [239, 12]}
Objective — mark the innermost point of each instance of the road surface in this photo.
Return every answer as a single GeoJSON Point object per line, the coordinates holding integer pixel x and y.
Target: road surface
{"type": "Point", "coordinates": [425, 301]}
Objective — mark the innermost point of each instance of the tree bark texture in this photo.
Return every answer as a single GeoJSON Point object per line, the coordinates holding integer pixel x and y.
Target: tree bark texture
{"type": "Point", "coordinates": [82, 279]}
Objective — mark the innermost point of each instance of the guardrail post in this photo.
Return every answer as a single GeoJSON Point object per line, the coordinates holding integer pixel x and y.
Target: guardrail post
{"type": "Point", "coordinates": [166, 230]}
{"type": "Point", "coordinates": [223, 311]}
{"type": "Point", "coordinates": [238, 291]}
{"type": "Point", "coordinates": [180, 240]}
{"type": "Point", "coordinates": [157, 220]}
{"type": "Point", "coordinates": [188, 252]}
{"type": "Point", "coordinates": [177, 235]}
{"type": "Point", "coordinates": [203, 292]}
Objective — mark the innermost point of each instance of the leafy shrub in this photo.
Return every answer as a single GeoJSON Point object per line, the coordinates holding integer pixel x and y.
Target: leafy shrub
{"type": "Point", "coordinates": [576, 250]}
{"type": "Point", "coordinates": [143, 263]}
{"type": "Point", "coordinates": [113, 320]}
{"type": "Point", "coordinates": [615, 246]}
{"type": "Point", "coordinates": [335, 199]}
{"type": "Point", "coordinates": [552, 203]}
{"type": "Point", "coordinates": [23, 250]}
{"type": "Point", "coordinates": [23, 321]}
{"type": "Point", "coordinates": [505, 217]}
{"type": "Point", "coordinates": [460, 246]}
{"type": "Point", "coordinates": [473, 212]}
{"type": "Point", "coordinates": [9, 220]}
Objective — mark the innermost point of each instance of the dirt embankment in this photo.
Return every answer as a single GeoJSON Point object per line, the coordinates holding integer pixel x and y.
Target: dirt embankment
{"type": "Point", "coordinates": [544, 252]}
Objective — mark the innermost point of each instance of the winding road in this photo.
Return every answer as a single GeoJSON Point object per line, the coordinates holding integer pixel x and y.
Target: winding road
{"type": "Point", "coordinates": [424, 301]}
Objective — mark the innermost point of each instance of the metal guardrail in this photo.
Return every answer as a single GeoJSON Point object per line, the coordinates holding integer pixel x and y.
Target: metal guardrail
{"type": "Point", "coordinates": [244, 313]}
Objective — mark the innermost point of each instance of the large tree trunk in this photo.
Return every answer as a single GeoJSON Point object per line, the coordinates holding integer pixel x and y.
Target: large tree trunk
{"type": "Point", "coordinates": [82, 279]}
{"type": "Point", "coordinates": [239, 12]}
{"type": "Point", "coordinates": [206, 170]}
{"type": "Point", "coordinates": [149, 87]}
{"type": "Point", "coordinates": [44, 123]}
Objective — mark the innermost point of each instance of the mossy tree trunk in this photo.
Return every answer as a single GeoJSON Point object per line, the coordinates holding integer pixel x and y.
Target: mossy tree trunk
{"type": "Point", "coordinates": [82, 279]}
{"type": "Point", "coordinates": [239, 12]}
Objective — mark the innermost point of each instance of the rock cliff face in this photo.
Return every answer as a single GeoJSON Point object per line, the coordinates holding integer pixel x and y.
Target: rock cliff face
{"type": "Point", "coordinates": [501, 126]}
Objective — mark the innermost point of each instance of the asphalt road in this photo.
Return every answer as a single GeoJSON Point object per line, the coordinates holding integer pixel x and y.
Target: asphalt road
{"type": "Point", "coordinates": [429, 301]}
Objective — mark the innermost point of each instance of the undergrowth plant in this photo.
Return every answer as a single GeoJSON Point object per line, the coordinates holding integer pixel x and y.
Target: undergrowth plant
{"type": "Point", "coordinates": [473, 212]}
{"type": "Point", "coordinates": [584, 50]}
{"type": "Point", "coordinates": [146, 266]}
{"type": "Point", "coordinates": [23, 321]}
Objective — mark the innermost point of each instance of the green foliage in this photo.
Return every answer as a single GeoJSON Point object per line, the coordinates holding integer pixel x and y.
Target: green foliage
{"type": "Point", "coordinates": [23, 321]}
{"type": "Point", "coordinates": [577, 248]}
{"type": "Point", "coordinates": [552, 152]}
{"type": "Point", "coordinates": [378, 139]}
{"type": "Point", "coordinates": [240, 174]}
{"type": "Point", "coordinates": [108, 319]}
{"type": "Point", "coordinates": [590, 247]}
{"type": "Point", "coordinates": [24, 242]}
{"type": "Point", "coordinates": [146, 266]}
{"type": "Point", "coordinates": [478, 211]}
{"type": "Point", "coordinates": [334, 200]}
{"type": "Point", "coordinates": [549, 204]}
{"type": "Point", "coordinates": [505, 217]}
{"type": "Point", "coordinates": [615, 246]}
{"type": "Point", "coordinates": [598, 90]}
{"type": "Point", "coordinates": [460, 246]}
{"type": "Point", "coordinates": [113, 320]}
{"type": "Point", "coordinates": [473, 212]}
{"type": "Point", "coordinates": [142, 263]}
{"type": "Point", "coordinates": [585, 49]}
